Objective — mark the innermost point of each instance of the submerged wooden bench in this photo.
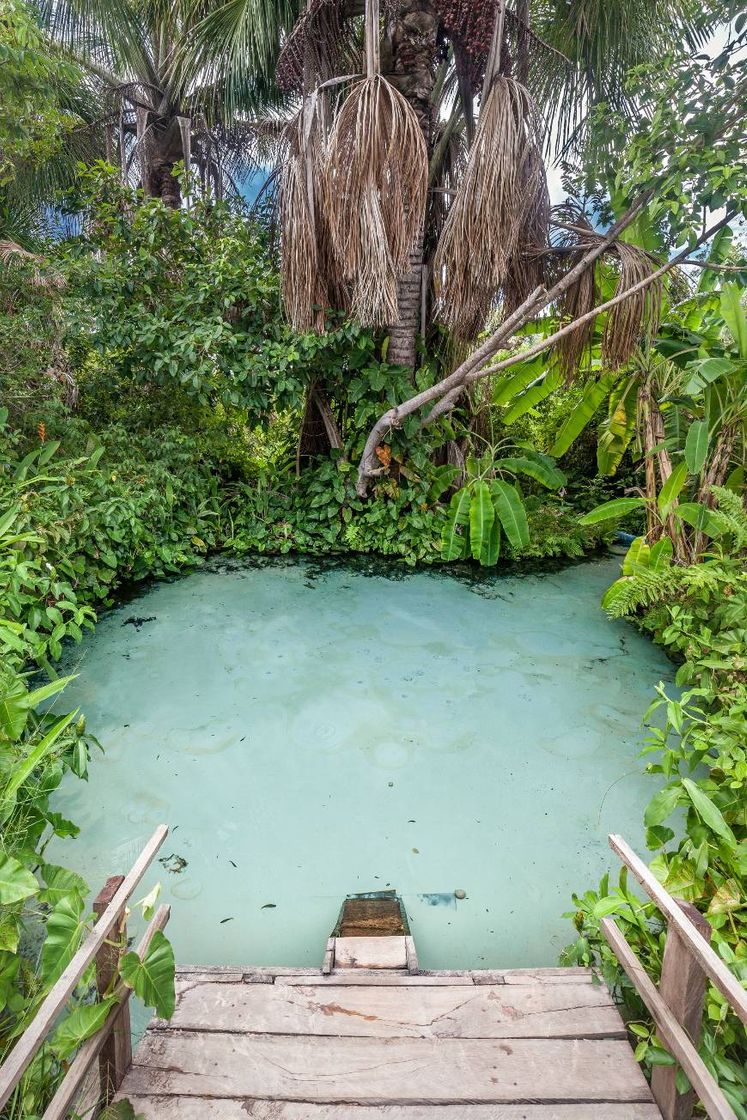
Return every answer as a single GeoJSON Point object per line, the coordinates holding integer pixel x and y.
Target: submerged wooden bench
{"type": "Point", "coordinates": [369, 1036]}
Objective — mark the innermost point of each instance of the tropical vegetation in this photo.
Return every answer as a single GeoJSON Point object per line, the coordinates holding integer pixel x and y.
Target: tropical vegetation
{"type": "Point", "coordinates": [400, 347]}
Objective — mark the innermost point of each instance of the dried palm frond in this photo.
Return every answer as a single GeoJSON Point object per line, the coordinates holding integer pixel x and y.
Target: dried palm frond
{"type": "Point", "coordinates": [305, 295]}
{"type": "Point", "coordinates": [375, 192]}
{"type": "Point", "coordinates": [11, 253]}
{"type": "Point", "coordinates": [502, 190]}
{"type": "Point", "coordinates": [630, 321]}
{"type": "Point", "coordinates": [527, 267]}
{"type": "Point", "coordinates": [634, 318]}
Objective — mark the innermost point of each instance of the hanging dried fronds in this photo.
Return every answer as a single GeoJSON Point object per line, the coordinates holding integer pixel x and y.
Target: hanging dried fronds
{"type": "Point", "coordinates": [376, 186]}
{"type": "Point", "coordinates": [305, 295]}
{"type": "Point", "coordinates": [630, 321]}
{"type": "Point", "coordinates": [503, 190]}
{"type": "Point", "coordinates": [635, 318]}
{"type": "Point", "coordinates": [528, 266]}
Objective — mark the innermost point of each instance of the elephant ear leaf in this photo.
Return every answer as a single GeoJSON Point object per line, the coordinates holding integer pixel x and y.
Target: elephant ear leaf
{"type": "Point", "coordinates": [80, 1024]}
{"type": "Point", "coordinates": [453, 538]}
{"type": "Point", "coordinates": [65, 928]}
{"type": "Point", "coordinates": [511, 513]}
{"type": "Point", "coordinates": [152, 977]}
{"type": "Point", "coordinates": [481, 521]}
{"type": "Point", "coordinates": [16, 882]}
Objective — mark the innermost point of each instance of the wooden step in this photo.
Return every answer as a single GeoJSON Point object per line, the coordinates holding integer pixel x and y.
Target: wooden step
{"type": "Point", "coordinates": [385, 1070]}
{"type": "Point", "coordinates": [191, 1108]}
{"type": "Point", "coordinates": [448, 1011]}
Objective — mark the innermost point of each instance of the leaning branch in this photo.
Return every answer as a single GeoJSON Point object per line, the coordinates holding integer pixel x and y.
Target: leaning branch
{"type": "Point", "coordinates": [369, 466]}
{"type": "Point", "coordinates": [448, 391]}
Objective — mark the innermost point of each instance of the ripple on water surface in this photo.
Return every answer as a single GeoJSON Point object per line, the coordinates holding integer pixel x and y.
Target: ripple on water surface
{"type": "Point", "coordinates": [310, 733]}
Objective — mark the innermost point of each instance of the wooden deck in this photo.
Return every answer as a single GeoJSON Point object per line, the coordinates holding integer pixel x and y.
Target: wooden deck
{"type": "Point", "coordinates": [361, 1044]}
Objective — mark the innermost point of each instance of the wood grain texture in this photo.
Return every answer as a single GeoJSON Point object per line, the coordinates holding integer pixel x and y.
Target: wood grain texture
{"type": "Point", "coordinates": [192, 1108]}
{"type": "Point", "coordinates": [451, 1011]}
{"type": "Point", "coordinates": [380, 978]}
{"type": "Point", "coordinates": [370, 952]}
{"type": "Point", "coordinates": [385, 1071]}
{"type": "Point", "coordinates": [682, 987]}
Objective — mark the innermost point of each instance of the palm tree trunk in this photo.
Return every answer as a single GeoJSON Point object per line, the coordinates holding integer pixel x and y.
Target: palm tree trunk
{"type": "Point", "coordinates": [412, 42]}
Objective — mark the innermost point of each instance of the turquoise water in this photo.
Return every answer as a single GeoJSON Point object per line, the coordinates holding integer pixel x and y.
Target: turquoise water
{"type": "Point", "coordinates": [307, 733]}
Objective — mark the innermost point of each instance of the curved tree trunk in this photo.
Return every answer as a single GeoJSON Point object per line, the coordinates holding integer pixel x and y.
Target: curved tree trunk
{"type": "Point", "coordinates": [412, 42]}
{"type": "Point", "coordinates": [162, 149]}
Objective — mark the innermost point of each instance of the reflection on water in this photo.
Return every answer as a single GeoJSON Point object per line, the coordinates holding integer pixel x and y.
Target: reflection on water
{"type": "Point", "coordinates": [309, 733]}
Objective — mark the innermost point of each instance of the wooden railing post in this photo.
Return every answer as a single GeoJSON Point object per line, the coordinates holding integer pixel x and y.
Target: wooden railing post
{"type": "Point", "coordinates": [682, 987]}
{"type": "Point", "coordinates": [116, 1056]}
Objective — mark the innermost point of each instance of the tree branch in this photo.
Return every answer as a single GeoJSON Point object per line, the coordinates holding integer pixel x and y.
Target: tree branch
{"type": "Point", "coordinates": [476, 365]}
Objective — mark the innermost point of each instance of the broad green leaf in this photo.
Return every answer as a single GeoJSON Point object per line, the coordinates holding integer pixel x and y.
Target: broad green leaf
{"type": "Point", "coordinates": [481, 518]}
{"type": "Point", "coordinates": [734, 316]}
{"type": "Point", "coordinates": [709, 813]}
{"type": "Point", "coordinates": [672, 488]}
{"type": "Point", "coordinates": [539, 467]}
{"type": "Point", "coordinates": [23, 769]}
{"type": "Point", "coordinates": [594, 393]}
{"type": "Point", "coordinates": [617, 431]}
{"type": "Point", "coordinates": [80, 1024]}
{"type": "Point", "coordinates": [700, 517]}
{"type": "Point", "coordinates": [152, 978]}
{"type": "Point", "coordinates": [532, 396]}
{"type": "Point", "coordinates": [661, 554]}
{"type": "Point", "coordinates": [662, 805]}
{"type": "Point", "coordinates": [16, 882]}
{"type": "Point", "coordinates": [704, 372]}
{"type": "Point", "coordinates": [719, 253]}
{"type": "Point", "coordinates": [510, 510]}
{"type": "Point", "coordinates": [611, 511]}
{"type": "Point", "coordinates": [59, 881]}
{"type": "Point", "coordinates": [696, 446]}
{"type": "Point", "coordinates": [65, 928]}
{"type": "Point", "coordinates": [615, 594]}
{"type": "Point", "coordinates": [637, 556]}
{"type": "Point", "coordinates": [525, 374]}
{"type": "Point", "coordinates": [454, 542]}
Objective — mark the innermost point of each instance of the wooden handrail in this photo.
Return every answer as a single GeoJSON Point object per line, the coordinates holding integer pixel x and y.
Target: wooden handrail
{"type": "Point", "coordinates": [707, 958]}
{"type": "Point", "coordinates": [667, 1027]}
{"type": "Point", "coordinates": [22, 1054]}
{"type": "Point", "coordinates": [62, 1101]}
{"type": "Point", "coordinates": [677, 1006]}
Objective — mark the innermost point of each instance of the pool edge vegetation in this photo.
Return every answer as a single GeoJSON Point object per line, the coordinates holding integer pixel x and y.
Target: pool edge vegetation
{"type": "Point", "coordinates": [372, 361]}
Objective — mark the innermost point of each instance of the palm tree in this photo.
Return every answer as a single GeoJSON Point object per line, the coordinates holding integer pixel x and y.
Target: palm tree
{"type": "Point", "coordinates": [172, 77]}
{"type": "Point", "coordinates": [493, 85]}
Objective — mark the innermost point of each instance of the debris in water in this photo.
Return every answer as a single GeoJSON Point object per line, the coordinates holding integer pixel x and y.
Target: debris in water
{"type": "Point", "coordinates": [269, 906]}
{"type": "Point", "coordinates": [445, 898]}
{"type": "Point", "coordinates": [232, 863]}
{"type": "Point", "coordinates": [137, 621]}
{"type": "Point", "coordinates": [460, 893]}
{"type": "Point", "coordinates": [173, 863]}
{"type": "Point", "coordinates": [224, 920]}
{"type": "Point", "coordinates": [416, 851]}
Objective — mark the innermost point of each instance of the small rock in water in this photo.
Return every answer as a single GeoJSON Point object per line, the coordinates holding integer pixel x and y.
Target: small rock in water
{"type": "Point", "coordinates": [460, 894]}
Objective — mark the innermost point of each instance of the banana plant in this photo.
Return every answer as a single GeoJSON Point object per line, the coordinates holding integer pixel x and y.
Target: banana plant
{"type": "Point", "coordinates": [490, 506]}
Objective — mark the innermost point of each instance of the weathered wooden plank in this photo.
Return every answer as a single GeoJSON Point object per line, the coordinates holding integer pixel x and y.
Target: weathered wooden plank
{"type": "Point", "coordinates": [385, 1071]}
{"type": "Point", "coordinates": [667, 1027]}
{"type": "Point", "coordinates": [76, 1076]}
{"type": "Point", "coordinates": [465, 1011]}
{"type": "Point", "coordinates": [712, 965]}
{"type": "Point", "coordinates": [682, 988]}
{"type": "Point", "coordinates": [534, 976]}
{"type": "Point", "coordinates": [214, 975]}
{"type": "Point", "coordinates": [376, 978]}
{"type": "Point", "coordinates": [194, 1108]}
{"type": "Point", "coordinates": [23, 1053]}
{"type": "Point", "coordinates": [370, 952]}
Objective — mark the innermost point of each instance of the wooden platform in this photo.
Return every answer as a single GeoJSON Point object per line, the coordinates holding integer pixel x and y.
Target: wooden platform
{"type": "Point", "coordinates": [360, 1044]}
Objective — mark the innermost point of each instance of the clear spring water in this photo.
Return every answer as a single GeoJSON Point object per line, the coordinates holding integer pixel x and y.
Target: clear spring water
{"type": "Point", "coordinates": [311, 732]}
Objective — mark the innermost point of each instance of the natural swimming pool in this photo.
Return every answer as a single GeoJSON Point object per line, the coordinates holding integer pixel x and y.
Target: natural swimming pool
{"type": "Point", "coordinates": [311, 731]}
